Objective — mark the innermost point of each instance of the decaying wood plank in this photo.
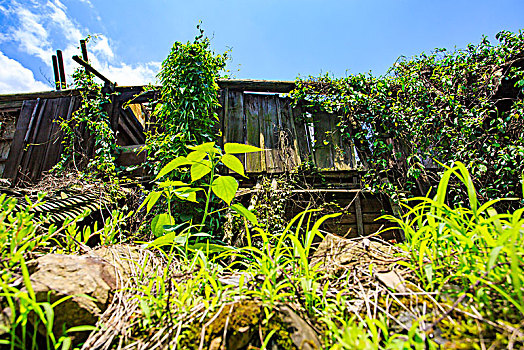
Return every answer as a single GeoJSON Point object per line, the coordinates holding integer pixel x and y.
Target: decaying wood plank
{"type": "Point", "coordinates": [139, 92]}
{"type": "Point", "coordinates": [40, 141]}
{"type": "Point", "coordinates": [224, 116]}
{"type": "Point", "coordinates": [289, 143]}
{"type": "Point", "coordinates": [358, 213]}
{"type": "Point", "coordinates": [17, 146]}
{"type": "Point", "coordinates": [342, 150]}
{"type": "Point", "coordinates": [234, 123]}
{"type": "Point", "coordinates": [302, 138]}
{"type": "Point", "coordinates": [11, 106]}
{"type": "Point", "coordinates": [54, 146]}
{"type": "Point", "coordinates": [29, 139]}
{"type": "Point", "coordinates": [274, 156]}
{"type": "Point", "coordinates": [254, 162]}
{"type": "Point", "coordinates": [323, 149]}
{"type": "Point", "coordinates": [257, 85]}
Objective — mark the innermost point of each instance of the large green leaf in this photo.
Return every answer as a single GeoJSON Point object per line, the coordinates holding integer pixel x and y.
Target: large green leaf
{"type": "Point", "coordinates": [169, 238]}
{"type": "Point", "coordinates": [240, 148]}
{"type": "Point", "coordinates": [187, 193]}
{"type": "Point", "coordinates": [158, 223]}
{"type": "Point", "coordinates": [150, 200]}
{"type": "Point", "coordinates": [200, 169]}
{"type": "Point", "coordinates": [240, 209]}
{"type": "Point", "coordinates": [196, 156]}
{"type": "Point", "coordinates": [208, 147]}
{"type": "Point", "coordinates": [172, 165]}
{"type": "Point", "coordinates": [225, 187]}
{"type": "Point", "coordinates": [169, 183]}
{"type": "Point", "coordinates": [233, 163]}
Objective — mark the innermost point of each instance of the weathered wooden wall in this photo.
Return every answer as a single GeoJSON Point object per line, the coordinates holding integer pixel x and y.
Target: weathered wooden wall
{"type": "Point", "coordinates": [36, 143]}
{"type": "Point", "coordinates": [289, 135]}
{"type": "Point", "coordinates": [252, 113]}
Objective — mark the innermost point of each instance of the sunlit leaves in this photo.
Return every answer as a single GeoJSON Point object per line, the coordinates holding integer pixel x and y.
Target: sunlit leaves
{"type": "Point", "coordinates": [440, 106]}
{"type": "Point", "coordinates": [240, 148]}
{"type": "Point", "coordinates": [240, 209]}
{"type": "Point", "coordinates": [225, 188]}
{"type": "Point", "coordinates": [233, 163]}
{"type": "Point", "coordinates": [199, 169]}
{"type": "Point", "coordinates": [172, 165]}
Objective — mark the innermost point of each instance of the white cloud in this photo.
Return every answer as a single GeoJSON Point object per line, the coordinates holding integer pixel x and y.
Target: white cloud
{"type": "Point", "coordinates": [138, 74]}
{"type": "Point", "coordinates": [30, 34]}
{"type": "Point", "coordinates": [40, 27]}
{"type": "Point", "coordinates": [16, 78]}
{"type": "Point", "coordinates": [102, 48]}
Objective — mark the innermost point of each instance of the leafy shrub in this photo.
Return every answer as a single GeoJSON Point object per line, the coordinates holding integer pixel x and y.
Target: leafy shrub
{"type": "Point", "coordinates": [466, 105]}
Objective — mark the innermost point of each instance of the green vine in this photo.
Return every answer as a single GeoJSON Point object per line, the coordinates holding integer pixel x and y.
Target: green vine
{"type": "Point", "coordinates": [91, 116]}
{"type": "Point", "coordinates": [466, 105]}
{"type": "Point", "coordinates": [186, 112]}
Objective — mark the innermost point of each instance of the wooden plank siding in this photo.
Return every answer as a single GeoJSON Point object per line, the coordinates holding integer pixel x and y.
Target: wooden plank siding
{"type": "Point", "coordinates": [36, 145]}
{"type": "Point", "coordinates": [287, 135]}
{"type": "Point", "coordinates": [251, 112]}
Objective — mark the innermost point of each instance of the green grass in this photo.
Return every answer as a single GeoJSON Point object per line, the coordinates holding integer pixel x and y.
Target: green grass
{"type": "Point", "coordinates": [462, 268]}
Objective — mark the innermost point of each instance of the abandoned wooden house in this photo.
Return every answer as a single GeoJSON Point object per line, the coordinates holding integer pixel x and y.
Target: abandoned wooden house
{"type": "Point", "coordinates": [253, 112]}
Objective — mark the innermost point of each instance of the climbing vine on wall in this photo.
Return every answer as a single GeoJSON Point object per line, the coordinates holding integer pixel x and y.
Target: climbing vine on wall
{"type": "Point", "coordinates": [96, 155]}
{"type": "Point", "coordinates": [185, 115]}
{"type": "Point", "coordinates": [186, 111]}
{"type": "Point", "coordinates": [465, 105]}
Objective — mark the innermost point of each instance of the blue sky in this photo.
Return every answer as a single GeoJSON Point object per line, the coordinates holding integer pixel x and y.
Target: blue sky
{"type": "Point", "coordinates": [269, 39]}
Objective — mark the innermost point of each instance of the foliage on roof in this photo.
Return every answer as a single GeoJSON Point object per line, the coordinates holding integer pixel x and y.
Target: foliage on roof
{"type": "Point", "coordinates": [446, 106]}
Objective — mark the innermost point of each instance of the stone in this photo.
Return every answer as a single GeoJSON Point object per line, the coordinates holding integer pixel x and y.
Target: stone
{"type": "Point", "coordinates": [87, 284]}
{"type": "Point", "coordinates": [302, 334]}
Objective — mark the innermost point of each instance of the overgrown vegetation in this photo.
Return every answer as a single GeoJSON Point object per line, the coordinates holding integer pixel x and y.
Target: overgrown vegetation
{"type": "Point", "coordinates": [187, 110]}
{"type": "Point", "coordinates": [92, 116]}
{"type": "Point", "coordinates": [456, 282]}
{"type": "Point", "coordinates": [464, 105]}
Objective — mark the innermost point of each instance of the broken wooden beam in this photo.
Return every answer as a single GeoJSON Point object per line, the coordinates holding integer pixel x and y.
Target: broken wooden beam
{"type": "Point", "coordinates": [90, 69]}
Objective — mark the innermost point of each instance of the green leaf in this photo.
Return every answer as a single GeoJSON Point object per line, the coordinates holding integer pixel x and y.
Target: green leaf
{"type": "Point", "coordinates": [66, 343]}
{"type": "Point", "coordinates": [233, 163]}
{"type": "Point", "coordinates": [158, 223]}
{"type": "Point", "coordinates": [225, 187]}
{"type": "Point", "coordinates": [27, 280]}
{"type": "Point", "coordinates": [240, 148]}
{"type": "Point", "coordinates": [172, 165]}
{"type": "Point", "coordinates": [196, 156]}
{"type": "Point", "coordinates": [240, 209]}
{"type": "Point", "coordinates": [49, 315]}
{"type": "Point", "coordinates": [151, 199]}
{"type": "Point", "coordinates": [493, 256]}
{"type": "Point", "coordinates": [170, 238]}
{"type": "Point", "coordinates": [187, 193]}
{"type": "Point", "coordinates": [84, 328]}
{"type": "Point", "coordinates": [170, 183]}
{"type": "Point", "coordinates": [211, 248]}
{"type": "Point", "coordinates": [200, 169]}
{"type": "Point", "coordinates": [208, 147]}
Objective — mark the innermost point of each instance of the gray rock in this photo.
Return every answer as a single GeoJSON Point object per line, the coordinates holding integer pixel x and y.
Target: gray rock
{"type": "Point", "coordinates": [84, 283]}
{"type": "Point", "coordinates": [302, 334]}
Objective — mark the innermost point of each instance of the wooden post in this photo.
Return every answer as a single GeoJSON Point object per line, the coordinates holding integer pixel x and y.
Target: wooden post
{"type": "Point", "coordinates": [358, 216]}
{"type": "Point", "coordinates": [55, 71]}
{"type": "Point", "coordinates": [61, 69]}
{"type": "Point", "coordinates": [83, 48]}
